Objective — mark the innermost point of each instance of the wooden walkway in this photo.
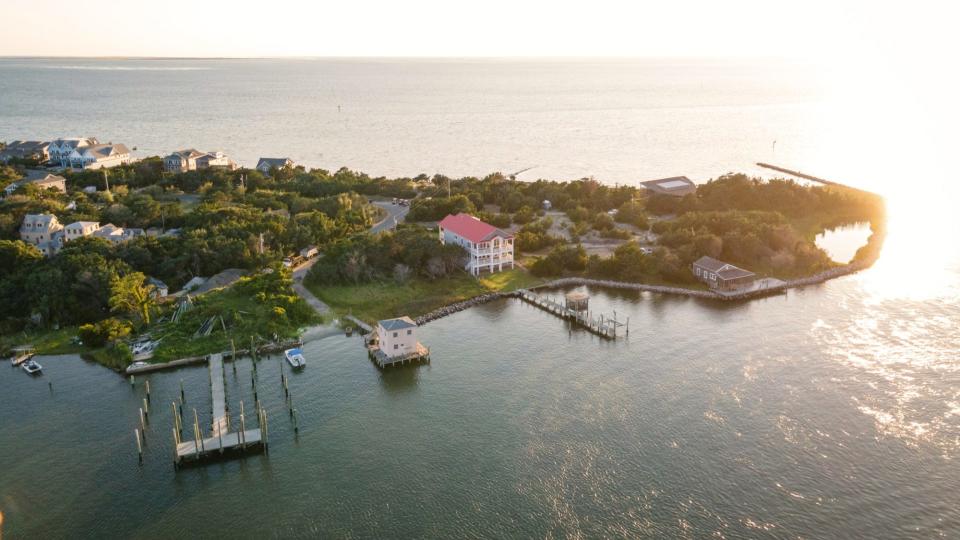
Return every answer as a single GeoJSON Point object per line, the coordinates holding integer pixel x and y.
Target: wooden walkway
{"type": "Point", "coordinates": [222, 441]}
{"type": "Point", "coordinates": [218, 393]}
{"type": "Point", "coordinates": [604, 327]}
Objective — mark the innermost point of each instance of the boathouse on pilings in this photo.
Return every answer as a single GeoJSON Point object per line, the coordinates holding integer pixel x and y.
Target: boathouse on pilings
{"type": "Point", "coordinates": [394, 342]}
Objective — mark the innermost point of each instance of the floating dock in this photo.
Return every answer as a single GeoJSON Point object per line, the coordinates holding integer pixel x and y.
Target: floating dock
{"type": "Point", "coordinates": [604, 327]}
{"type": "Point", "coordinates": [221, 442]}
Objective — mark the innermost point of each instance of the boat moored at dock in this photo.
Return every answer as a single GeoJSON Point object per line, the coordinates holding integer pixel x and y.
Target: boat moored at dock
{"type": "Point", "coordinates": [295, 358]}
{"type": "Point", "coordinates": [32, 367]}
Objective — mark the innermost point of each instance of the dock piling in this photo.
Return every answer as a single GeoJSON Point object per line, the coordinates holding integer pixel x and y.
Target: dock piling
{"type": "Point", "coordinates": [296, 423]}
{"type": "Point", "coordinates": [183, 398]}
{"type": "Point", "coordinates": [136, 433]}
{"type": "Point", "coordinates": [132, 381]}
{"type": "Point", "coordinates": [143, 423]}
{"type": "Point", "coordinates": [148, 390]}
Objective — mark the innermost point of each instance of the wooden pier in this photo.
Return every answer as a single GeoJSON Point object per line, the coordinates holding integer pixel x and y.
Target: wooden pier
{"type": "Point", "coordinates": [421, 355]}
{"type": "Point", "coordinates": [222, 442]}
{"type": "Point", "coordinates": [604, 327]}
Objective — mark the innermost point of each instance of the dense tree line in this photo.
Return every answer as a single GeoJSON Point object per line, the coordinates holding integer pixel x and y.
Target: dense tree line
{"type": "Point", "coordinates": [409, 251]}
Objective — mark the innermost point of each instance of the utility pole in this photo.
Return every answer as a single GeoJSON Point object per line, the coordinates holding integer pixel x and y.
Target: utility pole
{"type": "Point", "coordinates": [106, 180]}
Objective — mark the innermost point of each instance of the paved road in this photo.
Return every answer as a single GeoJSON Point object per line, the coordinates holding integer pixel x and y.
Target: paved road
{"type": "Point", "coordinates": [396, 214]}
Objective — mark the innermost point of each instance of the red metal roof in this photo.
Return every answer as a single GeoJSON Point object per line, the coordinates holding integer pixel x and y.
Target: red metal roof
{"type": "Point", "coordinates": [471, 228]}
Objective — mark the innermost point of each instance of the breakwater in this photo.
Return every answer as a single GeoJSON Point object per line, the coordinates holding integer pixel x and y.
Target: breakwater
{"type": "Point", "coordinates": [826, 275]}
{"type": "Point", "coordinates": [462, 305]}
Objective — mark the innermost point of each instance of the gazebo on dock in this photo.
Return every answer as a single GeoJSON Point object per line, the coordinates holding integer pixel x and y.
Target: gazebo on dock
{"type": "Point", "coordinates": [577, 301]}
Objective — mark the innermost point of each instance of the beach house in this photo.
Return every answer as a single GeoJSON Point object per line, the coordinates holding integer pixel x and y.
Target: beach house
{"type": "Point", "coordinates": [722, 276]}
{"type": "Point", "coordinates": [182, 160]}
{"type": "Point", "coordinates": [79, 229]}
{"type": "Point", "coordinates": [489, 248]}
{"type": "Point", "coordinates": [215, 160]}
{"type": "Point", "coordinates": [99, 156]}
{"type": "Point", "coordinates": [38, 151]}
{"type": "Point", "coordinates": [43, 231]}
{"type": "Point", "coordinates": [266, 164]}
{"type": "Point", "coordinates": [60, 150]}
{"type": "Point", "coordinates": [47, 181]}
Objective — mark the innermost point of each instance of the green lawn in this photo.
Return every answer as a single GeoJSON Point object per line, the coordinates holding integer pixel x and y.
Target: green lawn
{"type": "Point", "coordinates": [386, 299]}
{"type": "Point", "coordinates": [44, 341]}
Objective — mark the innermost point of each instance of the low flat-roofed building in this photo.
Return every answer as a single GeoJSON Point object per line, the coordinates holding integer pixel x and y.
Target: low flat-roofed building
{"type": "Point", "coordinates": [677, 186]}
{"type": "Point", "coordinates": [722, 276]}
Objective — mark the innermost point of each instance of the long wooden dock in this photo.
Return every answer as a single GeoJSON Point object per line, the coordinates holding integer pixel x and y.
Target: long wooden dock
{"type": "Point", "coordinates": [222, 441]}
{"type": "Point", "coordinates": [604, 327]}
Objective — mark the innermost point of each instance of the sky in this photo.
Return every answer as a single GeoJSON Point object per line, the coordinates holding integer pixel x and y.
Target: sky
{"type": "Point", "coordinates": [245, 28]}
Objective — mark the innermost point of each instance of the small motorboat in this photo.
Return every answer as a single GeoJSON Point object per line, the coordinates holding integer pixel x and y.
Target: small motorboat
{"type": "Point", "coordinates": [295, 358]}
{"type": "Point", "coordinates": [32, 367]}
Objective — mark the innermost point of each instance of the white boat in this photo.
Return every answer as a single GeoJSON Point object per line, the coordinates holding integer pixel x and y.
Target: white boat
{"type": "Point", "coordinates": [295, 358]}
{"type": "Point", "coordinates": [32, 367]}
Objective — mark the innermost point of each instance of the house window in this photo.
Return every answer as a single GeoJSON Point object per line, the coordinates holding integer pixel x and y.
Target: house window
{"type": "Point", "coordinates": [395, 334]}
{"type": "Point", "coordinates": [409, 332]}
{"type": "Point", "coordinates": [396, 346]}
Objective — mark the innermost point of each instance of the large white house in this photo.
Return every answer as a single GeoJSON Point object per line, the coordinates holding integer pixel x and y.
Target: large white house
{"type": "Point", "coordinates": [489, 247]}
{"type": "Point", "coordinates": [191, 159]}
{"type": "Point", "coordinates": [79, 229]}
{"type": "Point", "coordinates": [43, 231]}
{"type": "Point", "coordinates": [99, 156]}
{"type": "Point", "coordinates": [60, 150]}
{"type": "Point", "coordinates": [398, 337]}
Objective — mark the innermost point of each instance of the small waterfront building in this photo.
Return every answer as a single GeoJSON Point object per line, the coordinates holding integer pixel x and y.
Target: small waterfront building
{"type": "Point", "coordinates": [398, 337]}
{"type": "Point", "coordinates": [26, 150]}
{"type": "Point", "coordinates": [182, 160]}
{"type": "Point", "coordinates": [60, 150]}
{"type": "Point", "coordinates": [722, 276]}
{"type": "Point", "coordinates": [79, 229]}
{"type": "Point", "coordinates": [489, 247]}
{"type": "Point", "coordinates": [266, 164]}
{"type": "Point", "coordinates": [547, 205]}
{"type": "Point", "coordinates": [99, 156]}
{"type": "Point", "coordinates": [43, 231]}
{"type": "Point", "coordinates": [90, 190]}
{"type": "Point", "coordinates": [677, 186]}
{"type": "Point", "coordinates": [48, 181]}
{"type": "Point", "coordinates": [309, 251]}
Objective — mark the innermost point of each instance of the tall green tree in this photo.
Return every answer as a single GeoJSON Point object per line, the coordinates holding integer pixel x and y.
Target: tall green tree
{"type": "Point", "coordinates": [131, 295]}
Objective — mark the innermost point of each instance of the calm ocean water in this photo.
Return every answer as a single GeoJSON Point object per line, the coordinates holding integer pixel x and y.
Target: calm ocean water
{"type": "Point", "coordinates": [829, 412]}
{"type": "Point", "coordinates": [620, 121]}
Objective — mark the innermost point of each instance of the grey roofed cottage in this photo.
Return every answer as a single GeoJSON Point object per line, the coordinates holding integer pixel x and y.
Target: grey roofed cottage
{"type": "Point", "coordinates": [48, 181]}
{"type": "Point", "coordinates": [721, 275]}
{"type": "Point", "coordinates": [266, 163]}
{"type": "Point", "coordinates": [676, 186]}
{"type": "Point", "coordinates": [397, 324]}
{"type": "Point", "coordinates": [38, 150]}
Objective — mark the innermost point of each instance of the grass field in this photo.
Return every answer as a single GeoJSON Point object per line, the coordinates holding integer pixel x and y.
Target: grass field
{"type": "Point", "coordinates": [44, 341]}
{"type": "Point", "coordinates": [386, 299]}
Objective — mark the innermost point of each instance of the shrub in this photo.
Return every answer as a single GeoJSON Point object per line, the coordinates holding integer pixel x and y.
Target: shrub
{"type": "Point", "coordinates": [105, 331]}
